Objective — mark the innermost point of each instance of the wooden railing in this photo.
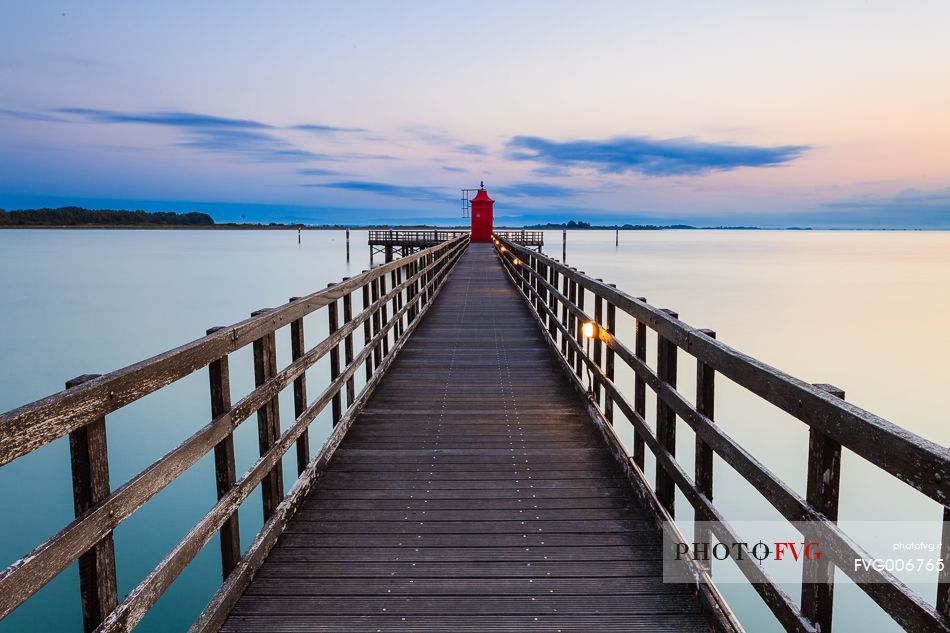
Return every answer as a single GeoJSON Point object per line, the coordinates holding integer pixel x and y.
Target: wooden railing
{"type": "Point", "coordinates": [416, 235]}
{"type": "Point", "coordinates": [394, 296]}
{"type": "Point", "coordinates": [556, 295]}
{"type": "Point", "coordinates": [521, 236]}
{"type": "Point", "coordinates": [399, 236]}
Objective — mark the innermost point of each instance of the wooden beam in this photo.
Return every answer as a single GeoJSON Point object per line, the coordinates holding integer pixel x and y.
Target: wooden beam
{"type": "Point", "coordinates": [224, 471]}
{"type": "Point", "coordinates": [666, 420]}
{"type": "Point", "coordinates": [703, 466]}
{"type": "Point", "coordinates": [297, 350]}
{"type": "Point", "coordinates": [824, 476]}
{"type": "Point", "coordinates": [89, 456]}
{"type": "Point", "coordinates": [268, 417]}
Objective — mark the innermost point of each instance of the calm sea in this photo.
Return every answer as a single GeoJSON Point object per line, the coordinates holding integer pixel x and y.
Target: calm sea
{"type": "Point", "coordinates": [866, 311]}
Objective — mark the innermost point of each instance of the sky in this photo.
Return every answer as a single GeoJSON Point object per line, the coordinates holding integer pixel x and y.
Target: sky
{"type": "Point", "coordinates": [824, 114]}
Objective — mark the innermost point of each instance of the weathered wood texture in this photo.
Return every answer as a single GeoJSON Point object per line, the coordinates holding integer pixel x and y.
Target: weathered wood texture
{"type": "Point", "coordinates": [89, 457]}
{"type": "Point", "coordinates": [80, 411]}
{"type": "Point", "coordinates": [472, 493]}
{"type": "Point", "coordinates": [833, 425]}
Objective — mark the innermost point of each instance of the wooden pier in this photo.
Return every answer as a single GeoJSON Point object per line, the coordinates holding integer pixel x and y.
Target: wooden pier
{"type": "Point", "coordinates": [474, 479]}
{"type": "Point", "coordinates": [472, 493]}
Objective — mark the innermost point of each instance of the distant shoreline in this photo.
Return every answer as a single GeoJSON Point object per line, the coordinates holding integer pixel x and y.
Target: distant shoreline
{"type": "Point", "coordinates": [416, 227]}
{"type": "Point", "coordinates": [120, 219]}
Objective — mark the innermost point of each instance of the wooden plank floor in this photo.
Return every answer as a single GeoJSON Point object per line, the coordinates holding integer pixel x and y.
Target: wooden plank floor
{"type": "Point", "coordinates": [472, 494]}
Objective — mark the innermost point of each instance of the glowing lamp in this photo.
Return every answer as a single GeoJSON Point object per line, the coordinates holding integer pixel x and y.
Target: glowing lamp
{"type": "Point", "coordinates": [504, 250]}
{"type": "Point", "coordinates": [588, 329]}
{"type": "Point", "coordinates": [516, 261]}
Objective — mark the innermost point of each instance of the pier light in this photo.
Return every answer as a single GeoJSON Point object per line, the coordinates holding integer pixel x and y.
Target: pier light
{"type": "Point", "coordinates": [515, 261]}
{"type": "Point", "coordinates": [504, 250]}
{"type": "Point", "coordinates": [588, 329]}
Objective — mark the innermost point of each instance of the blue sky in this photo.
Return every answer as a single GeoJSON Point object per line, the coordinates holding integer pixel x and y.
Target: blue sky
{"type": "Point", "coordinates": [774, 114]}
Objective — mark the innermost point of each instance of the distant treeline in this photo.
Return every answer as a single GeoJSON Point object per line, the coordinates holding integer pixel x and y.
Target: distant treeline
{"type": "Point", "coordinates": [77, 216]}
{"type": "Point", "coordinates": [574, 224]}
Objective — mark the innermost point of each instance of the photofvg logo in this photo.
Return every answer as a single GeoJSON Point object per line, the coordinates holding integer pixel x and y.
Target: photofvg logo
{"type": "Point", "coordinates": [740, 550]}
{"type": "Point", "coordinates": [910, 550]}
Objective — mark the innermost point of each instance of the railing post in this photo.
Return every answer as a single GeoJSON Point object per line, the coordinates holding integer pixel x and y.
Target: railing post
{"type": "Point", "coordinates": [418, 294]}
{"type": "Point", "coordinates": [401, 300]}
{"type": "Point", "coordinates": [611, 327]}
{"type": "Point", "coordinates": [535, 274]}
{"type": "Point", "coordinates": [943, 579]}
{"type": "Point", "coordinates": [598, 346]}
{"type": "Point", "coordinates": [411, 292]}
{"type": "Point", "coordinates": [298, 349]}
{"type": "Point", "coordinates": [430, 275]}
{"type": "Point", "coordinates": [640, 389]}
{"type": "Point", "coordinates": [542, 275]}
{"type": "Point", "coordinates": [268, 418]}
{"type": "Point", "coordinates": [572, 320]}
{"type": "Point", "coordinates": [821, 492]}
{"type": "Point", "coordinates": [333, 324]}
{"type": "Point", "coordinates": [565, 321]}
{"type": "Point", "coordinates": [384, 311]}
{"type": "Point", "coordinates": [666, 418]}
{"type": "Point", "coordinates": [367, 331]}
{"type": "Point", "coordinates": [578, 329]}
{"type": "Point", "coordinates": [219, 379]}
{"type": "Point", "coordinates": [348, 347]}
{"type": "Point", "coordinates": [374, 297]}
{"type": "Point", "coordinates": [523, 283]}
{"type": "Point", "coordinates": [552, 303]}
{"type": "Point", "coordinates": [89, 458]}
{"type": "Point", "coordinates": [394, 279]}
{"type": "Point", "coordinates": [705, 404]}
{"type": "Point", "coordinates": [423, 281]}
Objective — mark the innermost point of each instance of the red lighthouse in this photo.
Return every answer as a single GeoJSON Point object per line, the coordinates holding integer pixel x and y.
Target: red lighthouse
{"type": "Point", "coordinates": [482, 212]}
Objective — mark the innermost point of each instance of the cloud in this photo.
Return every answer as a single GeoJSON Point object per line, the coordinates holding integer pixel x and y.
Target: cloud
{"type": "Point", "coordinates": [30, 116]}
{"type": "Point", "coordinates": [358, 156]}
{"type": "Point", "coordinates": [426, 194]}
{"type": "Point", "coordinates": [551, 171]}
{"type": "Point", "coordinates": [252, 140]}
{"type": "Point", "coordinates": [316, 171]}
{"type": "Point", "coordinates": [472, 148]}
{"type": "Point", "coordinates": [534, 190]}
{"type": "Point", "coordinates": [454, 170]}
{"type": "Point", "coordinates": [171, 119]}
{"type": "Point", "coordinates": [650, 157]}
{"type": "Point", "coordinates": [324, 129]}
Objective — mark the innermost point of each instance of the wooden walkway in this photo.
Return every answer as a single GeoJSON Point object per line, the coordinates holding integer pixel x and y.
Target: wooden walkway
{"type": "Point", "coordinates": [472, 494]}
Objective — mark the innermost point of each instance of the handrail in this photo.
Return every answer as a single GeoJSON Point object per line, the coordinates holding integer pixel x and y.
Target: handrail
{"type": "Point", "coordinates": [415, 280]}
{"type": "Point", "coordinates": [833, 423]}
{"type": "Point", "coordinates": [429, 235]}
{"type": "Point", "coordinates": [521, 236]}
{"type": "Point", "coordinates": [395, 236]}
